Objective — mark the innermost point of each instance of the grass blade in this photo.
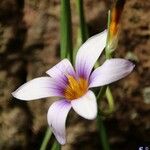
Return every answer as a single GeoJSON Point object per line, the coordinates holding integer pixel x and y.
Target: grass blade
{"type": "Point", "coordinates": [66, 30]}
{"type": "Point", "coordinates": [83, 26]}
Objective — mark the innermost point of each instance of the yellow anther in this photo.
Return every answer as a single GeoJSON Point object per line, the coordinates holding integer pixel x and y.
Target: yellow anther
{"type": "Point", "coordinates": [75, 88]}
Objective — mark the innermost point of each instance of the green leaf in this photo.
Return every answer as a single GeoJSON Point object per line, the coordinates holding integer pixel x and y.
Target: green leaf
{"type": "Point", "coordinates": [46, 139]}
{"type": "Point", "coordinates": [66, 30]}
{"type": "Point", "coordinates": [56, 146]}
{"type": "Point", "coordinates": [83, 26]}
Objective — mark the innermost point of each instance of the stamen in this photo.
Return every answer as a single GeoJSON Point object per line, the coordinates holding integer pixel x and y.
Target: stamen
{"type": "Point", "coordinates": [76, 88]}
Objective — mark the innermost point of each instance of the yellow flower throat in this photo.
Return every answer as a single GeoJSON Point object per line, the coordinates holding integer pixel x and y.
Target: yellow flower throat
{"type": "Point", "coordinates": [75, 88]}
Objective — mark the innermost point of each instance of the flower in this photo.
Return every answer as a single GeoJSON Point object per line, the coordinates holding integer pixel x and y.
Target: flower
{"type": "Point", "coordinates": [73, 85]}
{"type": "Point", "coordinates": [115, 18]}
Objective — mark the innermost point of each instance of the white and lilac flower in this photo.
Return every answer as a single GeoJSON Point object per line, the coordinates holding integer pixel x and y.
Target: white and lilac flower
{"type": "Point", "coordinates": [72, 85]}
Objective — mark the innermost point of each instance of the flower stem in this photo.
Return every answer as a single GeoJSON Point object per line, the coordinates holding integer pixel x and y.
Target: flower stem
{"type": "Point", "coordinates": [101, 93]}
{"type": "Point", "coordinates": [110, 100]}
{"type": "Point", "coordinates": [56, 146]}
{"type": "Point", "coordinates": [46, 139]}
{"type": "Point", "coordinates": [102, 132]}
{"type": "Point", "coordinates": [107, 48]}
{"type": "Point", "coordinates": [100, 124]}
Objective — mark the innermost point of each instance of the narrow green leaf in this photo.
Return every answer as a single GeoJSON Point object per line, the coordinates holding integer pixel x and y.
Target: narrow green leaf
{"type": "Point", "coordinates": [101, 93]}
{"type": "Point", "coordinates": [83, 25]}
{"type": "Point", "coordinates": [46, 139]}
{"type": "Point", "coordinates": [107, 50]}
{"type": "Point", "coordinates": [100, 125]}
{"type": "Point", "coordinates": [66, 30]}
{"type": "Point", "coordinates": [56, 146]}
{"type": "Point", "coordinates": [102, 132]}
{"type": "Point", "coordinates": [82, 34]}
{"type": "Point", "coordinates": [110, 100]}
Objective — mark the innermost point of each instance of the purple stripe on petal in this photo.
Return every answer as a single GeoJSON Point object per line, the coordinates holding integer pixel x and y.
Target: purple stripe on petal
{"type": "Point", "coordinates": [89, 53]}
{"type": "Point", "coordinates": [56, 116]}
{"type": "Point", "coordinates": [60, 70]}
{"type": "Point", "coordinates": [39, 88]}
{"type": "Point", "coordinates": [83, 72]}
{"type": "Point", "coordinates": [111, 71]}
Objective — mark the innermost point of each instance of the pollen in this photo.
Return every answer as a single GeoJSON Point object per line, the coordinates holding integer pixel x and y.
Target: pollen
{"type": "Point", "coordinates": [75, 88]}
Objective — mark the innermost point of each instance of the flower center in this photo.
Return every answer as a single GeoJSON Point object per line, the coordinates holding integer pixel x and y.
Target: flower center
{"type": "Point", "coordinates": [75, 88]}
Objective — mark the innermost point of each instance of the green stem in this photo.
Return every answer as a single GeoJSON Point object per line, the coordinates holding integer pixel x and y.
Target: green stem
{"type": "Point", "coordinates": [82, 34]}
{"type": "Point", "coordinates": [83, 26]}
{"type": "Point", "coordinates": [66, 30]}
{"type": "Point", "coordinates": [101, 93]}
{"type": "Point", "coordinates": [110, 100]}
{"type": "Point", "coordinates": [107, 50]}
{"type": "Point", "coordinates": [56, 146]}
{"type": "Point", "coordinates": [102, 132]}
{"type": "Point", "coordinates": [46, 139]}
{"type": "Point", "coordinates": [105, 90]}
{"type": "Point", "coordinates": [100, 124]}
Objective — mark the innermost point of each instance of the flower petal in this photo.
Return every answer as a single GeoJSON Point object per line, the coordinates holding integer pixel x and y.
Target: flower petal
{"type": "Point", "coordinates": [61, 69]}
{"type": "Point", "coordinates": [89, 53]}
{"type": "Point", "coordinates": [38, 88]}
{"type": "Point", "coordinates": [86, 106]}
{"type": "Point", "coordinates": [56, 117]}
{"type": "Point", "coordinates": [112, 70]}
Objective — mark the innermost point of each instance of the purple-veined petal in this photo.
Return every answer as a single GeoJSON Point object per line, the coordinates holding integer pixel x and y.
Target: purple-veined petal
{"type": "Point", "coordinates": [56, 117]}
{"type": "Point", "coordinates": [89, 53]}
{"type": "Point", "coordinates": [61, 69]}
{"type": "Point", "coordinates": [38, 88]}
{"type": "Point", "coordinates": [112, 70]}
{"type": "Point", "coordinates": [86, 106]}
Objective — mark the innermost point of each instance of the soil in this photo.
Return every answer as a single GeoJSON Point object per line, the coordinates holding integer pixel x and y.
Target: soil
{"type": "Point", "coordinates": [29, 46]}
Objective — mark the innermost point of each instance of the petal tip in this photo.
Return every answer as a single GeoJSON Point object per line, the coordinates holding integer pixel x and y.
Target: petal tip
{"type": "Point", "coordinates": [131, 66]}
{"type": "Point", "coordinates": [60, 138]}
{"type": "Point", "coordinates": [62, 141]}
{"type": "Point", "coordinates": [47, 72]}
{"type": "Point", "coordinates": [13, 94]}
{"type": "Point", "coordinates": [91, 117]}
{"type": "Point", "coordinates": [18, 95]}
{"type": "Point", "coordinates": [56, 117]}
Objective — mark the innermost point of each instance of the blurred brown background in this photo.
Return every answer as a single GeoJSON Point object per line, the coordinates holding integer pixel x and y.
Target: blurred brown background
{"type": "Point", "coordinates": [29, 46]}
